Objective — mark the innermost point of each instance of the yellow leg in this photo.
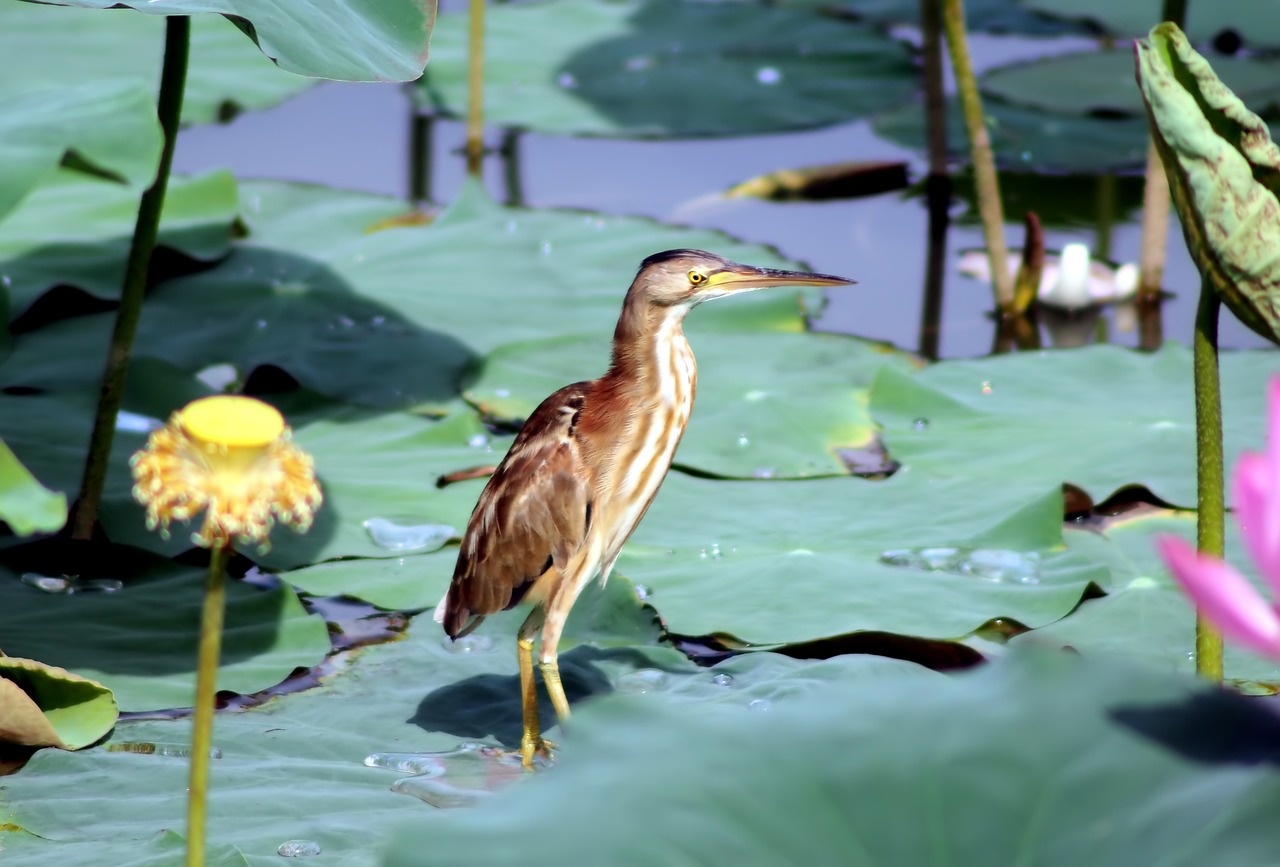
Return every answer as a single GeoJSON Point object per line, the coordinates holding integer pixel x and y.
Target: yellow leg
{"type": "Point", "coordinates": [531, 742]}
{"type": "Point", "coordinates": [551, 677]}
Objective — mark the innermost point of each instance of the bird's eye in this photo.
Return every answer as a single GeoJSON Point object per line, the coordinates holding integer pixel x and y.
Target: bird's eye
{"type": "Point", "coordinates": [695, 278]}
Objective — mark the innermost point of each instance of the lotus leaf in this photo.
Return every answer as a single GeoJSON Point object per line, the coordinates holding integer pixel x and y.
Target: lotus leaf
{"type": "Point", "coordinates": [54, 49]}
{"type": "Point", "coordinates": [140, 641]}
{"type": "Point", "coordinates": [43, 705]}
{"type": "Point", "coordinates": [354, 40]}
{"type": "Point", "coordinates": [1042, 759]}
{"type": "Point", "coordinates": [576, 67]}
{"type": "Point", "coordinates": [1224, 173]}
{"type": "Point", "coordinates": [769, 405]}
{"type": "Point", "coordinates": [1099, 418]}
{"type": "Point", "coordinates": [26, 505]}
{"type": "Point", "coordinates": [1256, 22]}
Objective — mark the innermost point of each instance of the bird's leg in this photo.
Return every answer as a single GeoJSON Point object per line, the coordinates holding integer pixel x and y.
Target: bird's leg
{"type": "Point", "coordinates": [531, 743]}
{"type": "Point", "coordinates": [550, 665]}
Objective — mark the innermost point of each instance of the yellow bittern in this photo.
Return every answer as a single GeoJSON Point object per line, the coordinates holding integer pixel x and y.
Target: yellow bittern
{"type": "Point", "coordinates": [587, 464]}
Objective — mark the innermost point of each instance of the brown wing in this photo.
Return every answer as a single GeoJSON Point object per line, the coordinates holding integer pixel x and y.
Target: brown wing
{"type": "Point", "coordinates": [532, 515]}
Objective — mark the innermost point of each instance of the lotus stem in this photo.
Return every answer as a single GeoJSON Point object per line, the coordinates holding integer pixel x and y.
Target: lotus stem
{"type": "Point", "coordinates": [421, 136]}
{"type": "Point", "coordinates": [1155, 198]}
{"type": "Point", "coordinates": [938, 183]}
{"type": "Point", "coordinates": [173, 77]}
{"type": "Point", "coordinates": [510, 151]}
{"type": "Point", "coordinates": [1209, 482]}
{"type": "Point", "coordinates": [475, 89]}
{"type": "Point", "coordinates": [206, 691]}
{"type": "Point", "coordinates": [984, 166]}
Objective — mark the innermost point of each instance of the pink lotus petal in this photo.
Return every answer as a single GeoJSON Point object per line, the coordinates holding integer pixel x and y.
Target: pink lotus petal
{"type": "Point", "coordinates": [1256, 496]}
{"type": "Point", "coordinates": [1224, 596]}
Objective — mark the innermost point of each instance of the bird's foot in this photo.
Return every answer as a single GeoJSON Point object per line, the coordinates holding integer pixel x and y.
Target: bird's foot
{"type": "Point", "coordinates": [533, 748]}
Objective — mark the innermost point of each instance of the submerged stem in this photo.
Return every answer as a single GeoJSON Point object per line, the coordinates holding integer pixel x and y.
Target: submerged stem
{"type": "Point", "coordinates": [173, 78]}
{"type": "Point", "coordinates": [984, 164]}
{"type": "Point", "coordinates": [1209, 481]}
{"type": "Point", "coordinates": [206, 690]}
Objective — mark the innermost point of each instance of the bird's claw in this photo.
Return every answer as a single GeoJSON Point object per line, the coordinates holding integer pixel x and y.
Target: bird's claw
{"type": "Point", "coordinates": [534, 746]}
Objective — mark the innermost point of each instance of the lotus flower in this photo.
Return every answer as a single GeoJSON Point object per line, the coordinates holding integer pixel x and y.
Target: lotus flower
{"type": "Point", "coordinates": [1221, 593]}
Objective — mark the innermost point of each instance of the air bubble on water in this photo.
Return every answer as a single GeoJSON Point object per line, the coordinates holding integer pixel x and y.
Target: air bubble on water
{"type": "Point", "coordinates": [478, 441]}
{"type": "Point", "coordinates": [641, 681]}
{"type": "Point", "coordinates": [135, 423]}
{"type": "Point", "coordinates": [723, 680]}
{"type": "Point", "coordinates": [408, 763]}
{"type": "Point", "coordinates": [546, 248]}
{"type": "Point", "coordinates": [643, 592]}
{"type": "Point", "coordinates": [744, 440]}
{"type": "Point", "coordinates": [759, 704]}
{"type": "Point", "coordinates": [467, 644]}
{"type": "Point", "coordinates": [395, 536]}
{"type": "Point", "coordinates": [920, 424]}
{"type": "Point", "coordinates": [768, 75]}
{"type": "Point", "coordinates": [298, 849]}
{"type": "Point", "coordinates": [712, 553]}
{"type": "Point", "coordinates": [567, 81]}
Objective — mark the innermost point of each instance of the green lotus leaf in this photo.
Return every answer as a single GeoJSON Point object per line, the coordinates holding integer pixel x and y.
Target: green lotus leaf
{"type": "Point", "coordinates": [1099, 418]}
{"type": "Point", "coordinates": [1145, 617]}
{"type": "Point", "coordinates": [43, 705]}
{"type": "Point", "coordinates": [782, 562]}
{"type": "Point", "coordinates": [769, 405]}
{"type": "Point", "coordinates": [109, 125]}
{"type": "Point", "coordinates": [576, 67]}
{"type": "Point", "coordinates": [140, 641]}
{"type": "Point", "coordinates": [75, 230]}
{"type": "Point", "coordinates": [354, 40]}
{"type": "Point", "coordinates": [292, 768]}
{"type": "Point", "coordinates": [1102, 82]}
{"type": "Point", "coordinates": [1255, 22]}
{"type": "Point", "coordinates": [1224, 173]}
{"type": "Point", "coordinates": [26, 505]}
{"type": "Point", "coordinates": [1029, 140]}
{"type": "Point", "coordinates": [980, 16]}
{"type": "Point", "coordinates": [52, 50]}
{"type": "Point", "coordinates": [1039, 759]}
{"type": "Point", "coordinates": [163, 849]}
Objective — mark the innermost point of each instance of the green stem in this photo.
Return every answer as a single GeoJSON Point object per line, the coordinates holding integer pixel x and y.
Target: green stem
{"type": "Point", "coordinates": [173, 78]}
{"type": "Point", "coordinates": [984, 164]}
{"type": "Point", "coordinates": [1209, 496]}
{"type": "Point", "coordinates": [475, 89]}
{"type": "Point", "coordinates": [206, 691]}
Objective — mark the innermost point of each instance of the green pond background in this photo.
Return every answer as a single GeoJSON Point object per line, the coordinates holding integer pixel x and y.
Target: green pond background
{"type": "Point", "coordinates": [848, 529]}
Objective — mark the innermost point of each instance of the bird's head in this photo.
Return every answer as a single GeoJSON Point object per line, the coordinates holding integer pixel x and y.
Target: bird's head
{"type": "Point", "coordinates": [686, 278]}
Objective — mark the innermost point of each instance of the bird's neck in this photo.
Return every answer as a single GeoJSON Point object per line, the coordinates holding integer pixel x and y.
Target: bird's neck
{"type": "Point", "coordinates": [647, 340]}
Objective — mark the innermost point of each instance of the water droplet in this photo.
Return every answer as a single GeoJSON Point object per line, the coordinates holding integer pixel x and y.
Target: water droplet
{"type": "Point", "coordinates": [478, 441]}
{"type": "Point", "coordinates": [147, 748]}
{"type": "Point", "coordinates": [467, 644]}
{"type": "Point", "coordinates": [567, 81]}
{"type": "Point", "coordinates": [744, 440]}
{"type": "Point", "coordinates": [763, 473]}
{"type": "Point", "coordinates": [920, 424]}
{"type": "Point", "coordinates": [298, 849]}
{"type": "Point", "coordinates": [643, 592]}
{"type": "Point", "coordinates": [642, 681]}
{"type": "Point", "coordinates": [768, 75]}
{"type": "Point", "coordinates": [986, 386]}
{"type": "Point", "coordinates": [407, 537]}
{"type": "Point", "coordinates": [712, 553]}
{"type": "Point", "coordinates": [219, 377]}
{"type": "Point", "coordinates": [637, 64]}
{"type": "Point", "coordinates": [1025, 156]}
{"type": "Point", "coordinates": [408, 763]}
{"type": "Point", "coordinates": [377, 321]}
{"type": "Point", "coordinates": [135, 423]}
{"type": "Point", "coordinates": [546, 248]}
{"type": "Point", "coordinates": [502, 392]}
{"type": "Point", "coordinates": [70, 584]}
{"type": "Point", "coordinates": [723, 680]}
{"type": "Point", "coordinates": [1006, 567]}
{"type": "Point", "coordinates": [454, 778]}
{"type": "Point", "coordinates": [512, 227]}
{"type": "Point", "coordinates": [6, 281]}
{"type": "Point", "coordinates": [255, 204]}
{"type": "Point", "coordinates": [759, 705]}
{"type": "Point", "coordinates": [261, 324]}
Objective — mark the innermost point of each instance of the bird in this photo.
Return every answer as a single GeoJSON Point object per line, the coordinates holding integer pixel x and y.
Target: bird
{"type": "Point", "coordinates": [585, 467]}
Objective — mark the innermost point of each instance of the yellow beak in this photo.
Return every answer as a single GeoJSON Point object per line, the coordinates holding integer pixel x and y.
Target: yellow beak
{"type": "Point", "coordinates": [740, 277]}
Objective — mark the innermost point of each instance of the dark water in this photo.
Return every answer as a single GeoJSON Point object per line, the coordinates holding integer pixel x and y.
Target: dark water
{"type": "Point", "coordinates": [356, 136]}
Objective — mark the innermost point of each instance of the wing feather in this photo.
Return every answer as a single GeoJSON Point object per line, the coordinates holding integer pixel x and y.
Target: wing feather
{"type": "Point", "coordinates": [531, 516]}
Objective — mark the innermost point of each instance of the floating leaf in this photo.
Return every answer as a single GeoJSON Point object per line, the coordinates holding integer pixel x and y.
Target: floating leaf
{"type": "Point", "coordinates": [46, 706]}
{"type": "Point", "coordinates": [26, 505]}
{"type": "Point", "coordinates": [769, 405]}
{"type": "Point", "coordinates": [1224, 173]}
{"type": "Point", "coordinates": [354, 40]}
{"type": "Point", "coordinates": [1256, 23]}
{"type": "Point", "coordinates": [576, 67]}
{"type": "Point", "coordinates": [1100, 418]}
